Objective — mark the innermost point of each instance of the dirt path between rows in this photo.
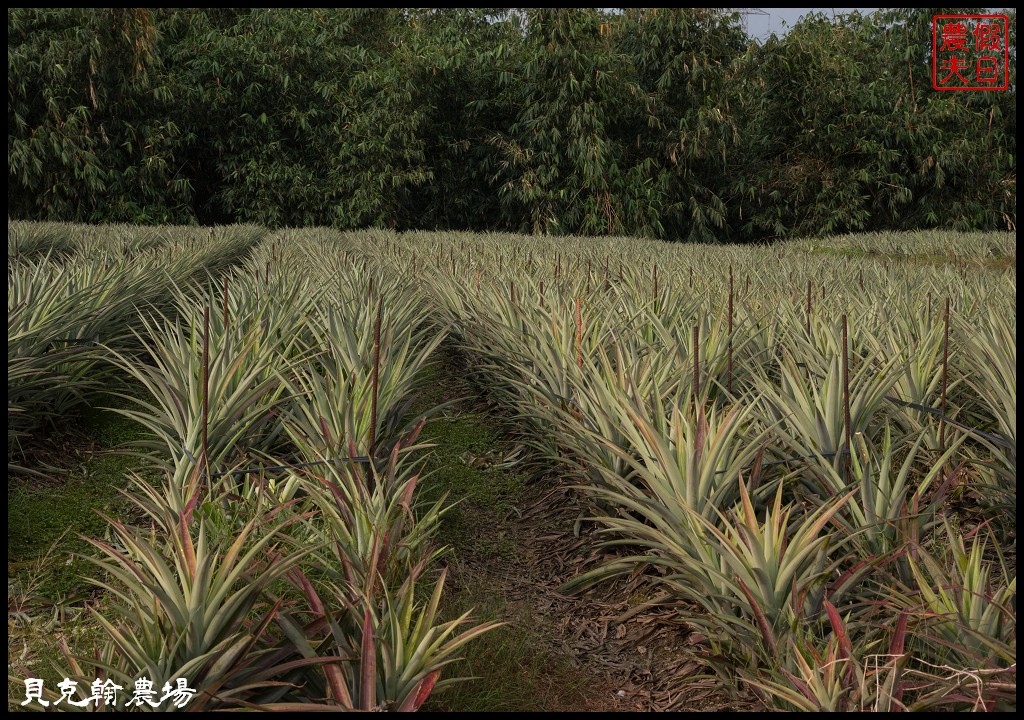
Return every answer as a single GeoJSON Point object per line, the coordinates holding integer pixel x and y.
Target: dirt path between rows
{"type": "Point", "coordinates": [516, 540]}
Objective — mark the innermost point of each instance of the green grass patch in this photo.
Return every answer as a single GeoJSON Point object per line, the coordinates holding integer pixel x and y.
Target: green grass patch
{"type": "Point", "coordinates": [512, 668]}
{"type": "Point", "coordinates": [458, 468]}
{"type": "Point", "coordinates": [51, 516]}
{"type": "Point", "coordinates": [39, 517]}
{"type": "Point", "coordinates": [465, 465]}
{"type": "Point", "coordinates": [48, 568]}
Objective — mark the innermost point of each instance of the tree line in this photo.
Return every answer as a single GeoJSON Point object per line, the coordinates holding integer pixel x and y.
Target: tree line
{"type": "Point", "coordinates": [656, 122]}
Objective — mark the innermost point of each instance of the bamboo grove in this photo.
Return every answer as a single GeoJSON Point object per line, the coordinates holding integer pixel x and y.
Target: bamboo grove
{"type": "Point", "coordinates": [660, 123]}
{"type": "Point", "coordinates": [809, 448]}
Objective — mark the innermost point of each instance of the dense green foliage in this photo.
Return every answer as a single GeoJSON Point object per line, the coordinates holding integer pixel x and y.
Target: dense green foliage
{"type": "Point", "coordinates": [665, 123]}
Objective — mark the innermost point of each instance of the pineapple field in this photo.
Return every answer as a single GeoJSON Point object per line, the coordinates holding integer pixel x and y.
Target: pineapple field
{"type": "Point", "coordinates": [322, 470]}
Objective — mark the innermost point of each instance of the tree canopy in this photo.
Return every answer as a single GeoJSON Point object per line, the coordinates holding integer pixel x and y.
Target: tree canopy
{"type": "Point", "coordinates": [656, 122]}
